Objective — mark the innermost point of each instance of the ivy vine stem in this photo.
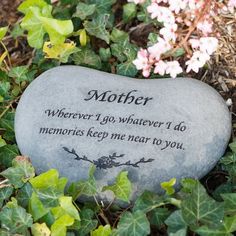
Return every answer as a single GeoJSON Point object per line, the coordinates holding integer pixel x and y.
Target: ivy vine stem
{"type": "Point", "coordinates": [8, 56]}
{"type": "Point", "coordinates": [8, 107]}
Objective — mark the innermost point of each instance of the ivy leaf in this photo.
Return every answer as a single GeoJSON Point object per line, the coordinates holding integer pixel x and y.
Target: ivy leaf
{"type": "Point", "coordinates": [127, 69]}
{"type": "Point", "coordinates": [227, 187]}
{"type": "Point", "coordinates": [83, 10]}
{"type": "Point", "coordinates": [105, 54]}
{"type": "Point", "coordinates": [87, 57]}
{"type": "Point", "coordinates": [60, 52]}
{"type": "Point", "coordinates": [129, 12]}
{"type": "Point", "coordinates": [24, 7]}
{"type": "Point", "coordinates": [229, 203]}
{"type": "Point", "coordinates": [198, 208]}
{"type": "Point", "coordinates": [87, 222]}
{"type": "Point", "coordinates": [188, 185]}
{"type": "Point", "coordinates": [233, 146]}
{"type": "Point", "coordinates": [49, 187]}
{"type": "Point", "coordinates": [168, 186]}
{"type": "Point", "coordinates": [67, 205]}
{"type": "Point", "coordinates": [158, 216]}
{"type": "Point", "coordinates": [178, 53]}
{"type": "Point", "coordinates": [84, 187]}
{"type": "Point", "coordinates": [147, 202]}
{"type": "Point", "coordinates": [36, 208]}
{"type": "Point", "coordinates": [40, 229]}
{"type": "Point", "coordinates": [206, 231]}
{"type": "Point", "coordinates": [20, 172]}
{"type": "Point", "coordinates": [228, 159]}
{"type": "Point", "coordinates": [133, 224]}
{"type": "Point", "coordinates": [4, 88]}
{"type": "Point", "coordinates": [176, 224]}
{"type": "Point", "coordinates": [49, 196]}
{"type": "Point", "coordinates": [97, 27]}
{"type": "Point", "coordinates": [46, 180]}
{"type": "Point", "coordinates": [17, 31]}
{"type": "Point", "coordinates": [48, 219]}
{"type": "Point", "coordinates": [124, 51]}
{"type": "Point", "coordinates": [143, 15]}
{"type": "Point", "coordinates": [57, 29]}
{"type": "Point", "coordinates": [229, 162]}
{"type": "Point", "coordinates": [152, 39]}
{"type": "Point", "coordinates": [19, 73]}
{"type": "Point", "coordinates": [130, 50]}
{"type": "Point", "coordinates": [24, 194]}
{"type": "Point", "coordinates": [225, 229]}
{"type": "Point", "coordinates": [33, 25]}
{"type": "Point", "coordinates": [59, 226]}
{"type": "Point", "coordinates": [117, 51]}
{"type": "Point", "coordinates": [229, 224]}
{"type": "Point", "coordinates": [102, 231]}
{"type": "Point", "coordinates": [122, 187]}
{"type": "Point", "coordinates": [22, 73]}
{"type": "Point", "coordinates": [118, 35]}
{"type": "Point", "coordinates": [3, 31]}
{"type": "Point", "coordinates": [2, 142]}
{"type": "Point", "coordinates": [7, 123]}
{"type": "Point", "coordinates": [103, 7]}
{"type": "Point", "coordinates": [15, 218]}
{"type": "Point", "coordinates": [38, 21]}
{"type": "Point", "coordinates": [5, 193]}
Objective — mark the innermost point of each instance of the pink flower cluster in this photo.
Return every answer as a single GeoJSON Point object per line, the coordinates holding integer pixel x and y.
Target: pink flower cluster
{"type": "Point", "coordinates": [203, 48]}
{"type": "Point", "coordinates": [147, 59]}
{"type": "Point", "coordinates": [176, 15]}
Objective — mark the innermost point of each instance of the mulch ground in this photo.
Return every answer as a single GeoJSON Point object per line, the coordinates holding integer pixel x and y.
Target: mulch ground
{"type": "Point", "coordinates": [220, 74]}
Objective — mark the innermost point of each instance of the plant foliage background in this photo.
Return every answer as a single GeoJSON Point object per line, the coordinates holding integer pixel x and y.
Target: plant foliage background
{"type": "Point", "coordinates": [101, 35]}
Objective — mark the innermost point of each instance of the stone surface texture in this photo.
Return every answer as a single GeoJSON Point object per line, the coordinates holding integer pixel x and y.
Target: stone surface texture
{"type": "Point", "coordinates": [70, 117]}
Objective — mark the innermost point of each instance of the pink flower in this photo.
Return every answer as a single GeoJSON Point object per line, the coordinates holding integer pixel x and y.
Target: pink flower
{"type": "Point", "coordinates": [146, 72]}
{"type": "Point", "coordinates": [173, 68]}
{"type": "Point", "coordinates": [142, 62]}
{"type": "Point", "coordinates": [205, 26]}
{"type": "Point", "coordinates": [159, 48]}
{"type": "Point", "coordinates": [142, 59]}
{"type": "Point", "coordinates": [195, 43]}
{"type": "Point", "coordinates": [160, 67]}
{"type": "Point", "coordinates": [195, 4]}
{"type": "Point", "coordinates": [197, 61]}
{"type": "Point", "coordinates": [177, 5]}
{"type": "Point", "coordinates": [154, 10]}
{"type": "Point", "coordinates": [168, 32]}
{"type": "Point", "coordinates": [163, 14]}
{"type": "Point", "coordinates": [208, 44]}
{"type": "Point", "coordinates": [205, 44]}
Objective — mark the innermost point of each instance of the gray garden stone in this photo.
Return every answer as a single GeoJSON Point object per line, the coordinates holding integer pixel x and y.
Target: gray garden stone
{"type": "Point", "coordinates": [70, 117]}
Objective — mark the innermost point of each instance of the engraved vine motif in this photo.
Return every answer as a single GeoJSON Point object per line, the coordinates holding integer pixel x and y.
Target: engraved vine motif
{"type": "Point", "coordinates": [106, 162]}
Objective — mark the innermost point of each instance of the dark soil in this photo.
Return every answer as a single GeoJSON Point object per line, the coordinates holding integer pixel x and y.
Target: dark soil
{"type": "Point", "coordinates": [8, 12]}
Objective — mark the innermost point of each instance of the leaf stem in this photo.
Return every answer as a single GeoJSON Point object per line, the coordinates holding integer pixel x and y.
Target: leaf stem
{"type": "Point", "coordinates": [8, 107]}
{"type": "Point", "coordinates": [8, 56]}
{"type": "Point", "coordinates": [174, 202]}
{"type": "Point", "coordinates": [3, 182]}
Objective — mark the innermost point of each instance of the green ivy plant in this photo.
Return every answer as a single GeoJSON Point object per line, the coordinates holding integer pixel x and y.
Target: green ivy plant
{"type": "Point", "coordinates": [71, 39]}
{"type": "Point", "coordinates": [87, 33]}
{"type": "Point", "coordinates": [40, 205]}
